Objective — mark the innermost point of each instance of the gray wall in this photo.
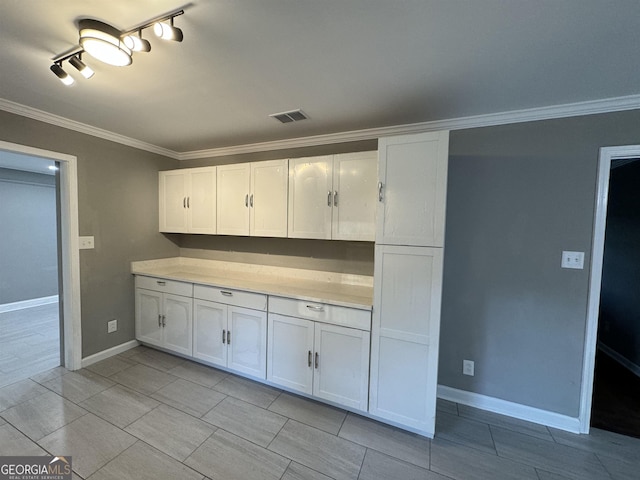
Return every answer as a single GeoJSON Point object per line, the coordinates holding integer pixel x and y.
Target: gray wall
{"type": "Point", "coordinates": [28, 254]}
{"type": "Point", "coordinates": [517, 196]}
{"type": "Point", "coordinates": [342, 256]}
{"type": "Point", "coordinates": [118, 204]}
{"type": "Point", "coordinates": [619, 302]}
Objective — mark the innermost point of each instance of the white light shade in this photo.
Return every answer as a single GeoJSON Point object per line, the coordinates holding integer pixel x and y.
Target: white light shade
{"type": "Point", "coordinates": [136, 43]}
{"type": "Point", "coordinates": [85, 70]}
{"type": "Point", "coordinates": [62, 75]}
{"type": "Point", "coordinates": [103, 42]}
{"type": "Point", "coordinates": [167, 32]}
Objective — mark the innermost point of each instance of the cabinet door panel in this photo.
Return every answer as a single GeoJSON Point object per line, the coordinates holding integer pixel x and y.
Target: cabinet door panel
{"type": "Point", "coordinates": [290, 350]}
{"type": "Point", "coordinates": [209, 325]}
{"type": "Point", "coordinates": [342, 369]}
{"type": "Point", "coordinates": [413, 170]}
{"type": "Point", "coordinates": [355, 183]}
{"type": "Point", "coordinates": [268, 200]}
{"type": "Point", "coordinates": [178, 324]}
{"type": "Point", "coordinates": [310, 197]}
{"type": "Point", "coordinates": [202, 200]}
{"type": "Point", "coordinates": [247, 348]}
{"type": "Point", "coordinates": [233, 199]}
{"type": "Point", "coordinates": [148, 311]}
{"type": "Point", "coordinates": [173, 194]}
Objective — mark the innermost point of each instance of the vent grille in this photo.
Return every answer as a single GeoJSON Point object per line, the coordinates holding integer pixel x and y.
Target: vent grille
{"type": "Point", "coordinates": [290, 116]}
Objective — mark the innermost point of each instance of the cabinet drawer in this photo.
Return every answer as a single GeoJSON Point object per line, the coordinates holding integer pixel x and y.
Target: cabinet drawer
{"type": "Point", "coordinates": [255, 301]}
{"type": "Point", "coordinates": [321, 312]}
{"type": "Point", "coordinates": [164, 286]}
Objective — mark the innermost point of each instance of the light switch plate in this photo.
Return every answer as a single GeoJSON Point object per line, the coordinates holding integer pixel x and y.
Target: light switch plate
{"type": "Point", "coordinates": [468, 367]}
{"type": "Point", "coordinates": [112, 326]}
{"type": "Point", "coordinates": [573, 260]}
{"type": "Point", "coordinates": [86, 243]}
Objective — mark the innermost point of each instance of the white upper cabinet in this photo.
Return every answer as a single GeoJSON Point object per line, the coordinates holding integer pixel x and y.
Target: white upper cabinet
{"type": "Point", "coordinates": [413, 181]}
{"type": "Point", "coordinates": [188, 200]}
{"type": "Point", "coordinates": [233, 199]}
{"type": "Point", "coordinates": [355, 178]}
{"type": "Point", "coordinates": [333, 196]}
{"type": "Point", "coordinates": [310, 197]}
{"type": "Point", "coordinates": [252, 199]}
{"type": "Point", "coordinates": [268, 198]}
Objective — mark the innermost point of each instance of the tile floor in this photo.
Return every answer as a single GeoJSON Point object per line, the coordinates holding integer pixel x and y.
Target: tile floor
{"type": "Point", "coordinates": [145, 414]}
{"type": "Point", "coordinates": [29, 342]}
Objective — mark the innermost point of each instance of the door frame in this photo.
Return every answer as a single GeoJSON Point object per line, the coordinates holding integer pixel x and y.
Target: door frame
{"type": "Point", "coordinates": [69, 248]}
{"type": "Point", "coordinates": [607, 155]}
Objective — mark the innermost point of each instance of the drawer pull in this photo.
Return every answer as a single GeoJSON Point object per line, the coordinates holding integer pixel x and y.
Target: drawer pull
{"type": "Point", "coordinates": [223, 333]}
{"type": "Point", "coordinates": [161, 283]}
{"type": "Point", "coordinates": [309, 358]}
{"type": "Point", "coordinates": [246, 200]}
{"type": "Point", "coordinates": [380, 194]}
{"type": "Point", "coordinates": [317, 359]}
{"type": "Point", "coordinates": [228, 337]}
{"type": "Point", "coordinates": [164, 318]}
{"type": "Point", "coordinates": [251, 200]}
{"type": "Point", "coordinates": [329, 198]}
{"type": "Point", "coordinates": [335, 198]}
{"type": "Point", "coordinates": [226, 294]}
{"type": "Point", "coordinates": [316, 308]}
{"type": "Point", "coordinates": [159, 320]}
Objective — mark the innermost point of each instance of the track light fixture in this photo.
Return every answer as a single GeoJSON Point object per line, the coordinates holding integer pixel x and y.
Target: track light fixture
{"type": "Point", "coordinates": [112, 46]}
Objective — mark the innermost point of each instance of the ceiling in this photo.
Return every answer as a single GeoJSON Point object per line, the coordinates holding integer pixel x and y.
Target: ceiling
{"type": "Point", "coordinates": [349, 65]}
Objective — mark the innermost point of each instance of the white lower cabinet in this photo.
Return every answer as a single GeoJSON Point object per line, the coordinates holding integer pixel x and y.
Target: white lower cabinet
{"type": "Point", "coordinates": [327, 361]}
{"type": "Point", "coordinates": [163, 318]}
{"type": "Point", "coordinates": [230, 336]}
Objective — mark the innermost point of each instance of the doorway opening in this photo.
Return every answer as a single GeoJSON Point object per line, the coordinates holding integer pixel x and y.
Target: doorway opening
{"type": "Point", "coordinates": [610, 348]}
{"type": "Point", "coordinates": [68, 248]}
{"type": "Point", "coordinates": [30, 323]}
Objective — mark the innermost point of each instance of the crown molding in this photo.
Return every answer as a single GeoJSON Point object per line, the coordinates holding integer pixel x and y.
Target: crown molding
{"type": "Point", "coordinates": [592, 107]}
{"type": "Point", "coordinates": [607, 105]}
{"type": "Point", "coordinates": [50, 118]}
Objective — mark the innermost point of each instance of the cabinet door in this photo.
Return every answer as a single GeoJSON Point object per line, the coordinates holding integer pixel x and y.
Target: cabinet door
{"type": "Point", "coordinates": [209, 332]}
{"type": "Point", "coordinates": [247, 346]}
{"type": "Point", "coordinates": [310, 197]}
{"type": "Point", "coordinates": [413, 171]}
{"type": "Point", "coordinates": [233, 199]}
{"type": "Point", "coordinates": [177, 324]}
{"type": "Point", "coordinates": [355, 198]}
{"type": "Point", "coordinates": [341, 364]}
{"type": "Point", "coordinates": [405, 334]}
{"type": "Point", "coordinates": [148, 316]}
{"type": "Point", "coordinates": [201, 201]}
{"type": "Point", "coordinates": [268, 198]}
{"type": "Point", "coordinates": [173, 201]}
{"type": "Point", "coordinates": [290, 352]}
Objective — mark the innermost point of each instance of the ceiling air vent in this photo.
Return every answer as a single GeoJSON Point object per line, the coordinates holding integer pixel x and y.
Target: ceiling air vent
{"type": "Point", "coordinates": [291, 116]}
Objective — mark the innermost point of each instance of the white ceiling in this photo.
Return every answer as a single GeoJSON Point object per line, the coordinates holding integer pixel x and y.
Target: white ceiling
{"type": "Point", "coordinates": [349, 64]}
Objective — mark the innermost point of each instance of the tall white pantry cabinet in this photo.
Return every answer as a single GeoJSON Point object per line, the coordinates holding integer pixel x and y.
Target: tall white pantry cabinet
{"type": "Point", "coordinates": [408, 279]}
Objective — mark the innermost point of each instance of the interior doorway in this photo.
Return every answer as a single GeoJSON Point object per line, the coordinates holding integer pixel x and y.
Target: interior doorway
{"type": "Point", "coordinates": [69, 266]}
{"type": "Point", "coordinates": [30, 320]}
{"type": "Point", "coordinates": [609, 156]}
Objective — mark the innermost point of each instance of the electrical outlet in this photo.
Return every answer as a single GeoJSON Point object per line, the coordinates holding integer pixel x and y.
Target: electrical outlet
{"type": "Point", "coordinates": [86, 243]}
{"type": "Point", "coordinates": [468, 367]}
{"type": "Point", "coordinates": [112, 326]}
{"type": "Point", "coordinates": [573, 260]}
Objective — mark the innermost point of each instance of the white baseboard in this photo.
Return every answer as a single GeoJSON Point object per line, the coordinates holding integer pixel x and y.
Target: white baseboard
{"type": "Point", "coordinates": [624, 361]}
{"type": "Point", "coordinates": [33, 302]}
{"type": "Point", "coordinates": [109, 352]}
{"type": "Point", "coordinates": [511, 409]}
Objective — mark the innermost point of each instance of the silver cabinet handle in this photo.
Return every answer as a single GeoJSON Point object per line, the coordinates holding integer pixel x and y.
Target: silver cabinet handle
{"type": "Point", "coordinates": [184, 202]}
{"type": "Point", "coordinates": [335, 198]}
{"type": "Point", "coordinates": [380, 187]}
{"type": "Point", "coordinates": [246, 200]}
{"type": "Point", "coordinates": [188, 198]}
{"type": "Point", "coordinates": [159, 320]}
{"type": "Point", "coordinates": [226, 294]}
{"type": "Point", "coordinates": [309, 358]}
{"type": "Point", "coordinates": [329, 198]}
{"type": "Point", "coordinates": [317, 359]}
{"type": "Point", "coordinates": [228, 337]}
{"type": "Point", "coordinates": [251, 200]}
{"type": "Point", "coordinates": [164, 318]}
{"type": "Point", "coordinates": [316, 308]}
{"type": "Point", "coordinates": [223, 332]}
{"type": "Point", "coordinates": [161, 283]}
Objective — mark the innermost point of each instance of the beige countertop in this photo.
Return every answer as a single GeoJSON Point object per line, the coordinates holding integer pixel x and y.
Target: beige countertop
{"type": "Point", "coordinates": [355, 291]}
